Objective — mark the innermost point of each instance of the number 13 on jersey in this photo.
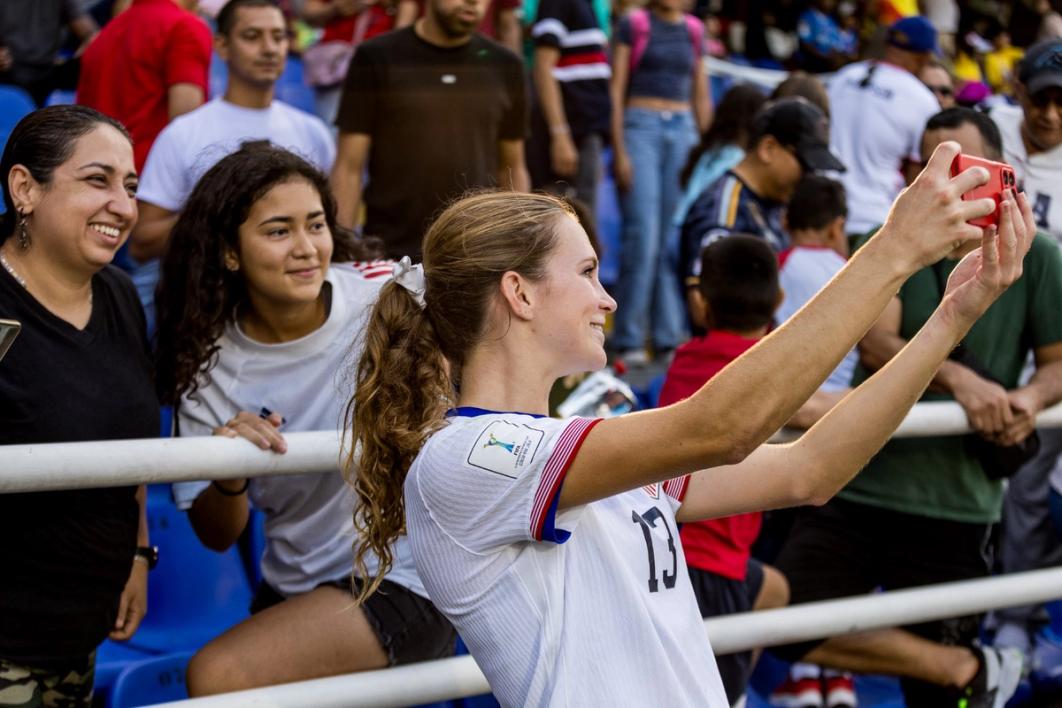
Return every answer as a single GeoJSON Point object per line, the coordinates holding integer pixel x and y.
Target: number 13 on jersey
{"type": "Point", "coordinates": [648, 521]}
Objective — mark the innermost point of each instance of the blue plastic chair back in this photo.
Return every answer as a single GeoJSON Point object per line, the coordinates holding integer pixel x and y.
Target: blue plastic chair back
{"type": "Point", "coordinates": [15, 104]}
{"type": "Point", "coordinates": [194, 594]}
{"type": "Point", "coordinates": [157, 680]}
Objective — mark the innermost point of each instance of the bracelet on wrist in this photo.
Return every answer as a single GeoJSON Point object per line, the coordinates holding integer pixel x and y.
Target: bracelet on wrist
{"type": "Point", "coordinates": [231, 493]}
{"type": "Point", "coordinates": [560, 130]}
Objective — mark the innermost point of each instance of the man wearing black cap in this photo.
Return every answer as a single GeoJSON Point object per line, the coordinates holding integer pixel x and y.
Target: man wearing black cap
{"type": "Point", "coordinates": [1032, 135]}
{"type": "Point", "coordinates": [877, 112]}
{"type": "Point", "coordinates": [788, 138]}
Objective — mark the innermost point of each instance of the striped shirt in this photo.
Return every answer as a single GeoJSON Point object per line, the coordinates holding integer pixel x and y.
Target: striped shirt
{"type": "Point", "coordinates": [582, 69]}
{"type": "Point", "coordinates": [728, 207]}
{"type": "Point", "coordinates": [590, 606]}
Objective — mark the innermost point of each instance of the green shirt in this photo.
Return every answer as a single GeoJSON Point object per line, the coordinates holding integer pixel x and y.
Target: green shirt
{"type": "Point", "coordinates": [938, 477]}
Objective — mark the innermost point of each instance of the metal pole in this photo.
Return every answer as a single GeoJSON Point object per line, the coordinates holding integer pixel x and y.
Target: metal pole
{"type": "Point", "coordinates": [115, 463]}
{"type": "Point", "coordinates": [459, 677]}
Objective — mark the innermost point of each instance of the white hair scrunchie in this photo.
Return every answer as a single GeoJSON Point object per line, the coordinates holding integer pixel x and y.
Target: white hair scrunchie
{"type": "Point", "coordinates": [410, 277]}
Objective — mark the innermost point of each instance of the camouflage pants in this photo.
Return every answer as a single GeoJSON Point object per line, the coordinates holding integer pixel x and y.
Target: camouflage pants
{"type": "Point", "coordinates": [31, 687]}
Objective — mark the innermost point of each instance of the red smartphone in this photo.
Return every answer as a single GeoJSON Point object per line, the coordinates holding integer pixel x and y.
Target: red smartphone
{"type": "Point", "coordinates": [1000, 179]}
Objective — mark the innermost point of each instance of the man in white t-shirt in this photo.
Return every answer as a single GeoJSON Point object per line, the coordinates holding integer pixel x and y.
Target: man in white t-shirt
{"type": "Point", "coordinates": [877, 112]}
{"type": "Point", "coordinates": [1032, 133]}
{"type": "Point", "coordinates": [252, 40]}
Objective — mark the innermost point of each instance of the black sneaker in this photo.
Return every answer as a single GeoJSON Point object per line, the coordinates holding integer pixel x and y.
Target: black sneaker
{"type": "Point", "coordinates": [996, 679]}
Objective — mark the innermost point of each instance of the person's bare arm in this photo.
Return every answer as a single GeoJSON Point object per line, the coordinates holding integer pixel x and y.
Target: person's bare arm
{"type": "Point", "coordinates": [218, 519]}
{"type": "Point", "coordinates": [826, 457]}
{"type": "Point", "coordinates": [820, 403]}
{"type": "Point", "coordinates": [317, 13]}
{"type": "Point", "coordinates": [183, 98]}
{"type": "Point", "coordinates": [512, 170]}
{"type": "Point", "coordinates": [85, 29]}
{"type": "Point", "coordinates": [407, 13]}
{"type": "Point", "coordinates": [352, 156]}
{"type": "Point", "coordinates": [564, 158]}
{"type": "Point", "coordinates": [621, 161]}
{"type": "Point", "coordinates": [152, 231]}
{"type": "Point", "coordinates": [510, 34]}
{"type": "Point", "coordinates": [722, 423]}
{"type": "Point", "coordinates": [132, 603]}
{"type": "Point", "coordinates": [702, 97]}
{"type": "Point", "coordinates": [219, 515]}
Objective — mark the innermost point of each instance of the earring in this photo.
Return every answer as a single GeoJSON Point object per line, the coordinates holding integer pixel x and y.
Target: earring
{"type": "Point", "coordinates": [23, 233]}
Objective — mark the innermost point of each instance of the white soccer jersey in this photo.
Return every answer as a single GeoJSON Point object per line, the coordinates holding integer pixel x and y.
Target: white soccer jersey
{"type": "Point", "coordinates": [1040, 175]}
{"type": "Point", "coordinates": [591, 606]}
{"type": "Point", "coordinates": [878, 112]}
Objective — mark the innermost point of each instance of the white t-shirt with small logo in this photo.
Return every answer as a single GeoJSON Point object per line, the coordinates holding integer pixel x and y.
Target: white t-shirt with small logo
{"type": "Point", "coordinates": [876, 125]}
{"type": "Point", "coordinates": [1039, 175]}
{"type": "Point", "coordinates": [591, 606]}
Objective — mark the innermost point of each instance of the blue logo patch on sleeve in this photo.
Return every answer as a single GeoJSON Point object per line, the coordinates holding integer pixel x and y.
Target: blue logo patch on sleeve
{"type": "Point", "coordinates": [505, 448]}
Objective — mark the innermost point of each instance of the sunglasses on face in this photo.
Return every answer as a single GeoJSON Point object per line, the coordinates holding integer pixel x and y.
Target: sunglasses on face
{"type": "Point", "coordinates": [942, 90]}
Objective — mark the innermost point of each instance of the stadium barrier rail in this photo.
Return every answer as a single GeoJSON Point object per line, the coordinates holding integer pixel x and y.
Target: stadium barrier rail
{"type": "Point", "coordinates": [116, 463]}
{"type": "Point", "coordinates": [460, 677]}
{"type": "Point", "coordinates": [49, 467]}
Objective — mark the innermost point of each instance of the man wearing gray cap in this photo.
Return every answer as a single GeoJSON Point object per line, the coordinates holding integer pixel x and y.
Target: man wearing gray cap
{"type": "Point", "coordinates": [1032, 134]}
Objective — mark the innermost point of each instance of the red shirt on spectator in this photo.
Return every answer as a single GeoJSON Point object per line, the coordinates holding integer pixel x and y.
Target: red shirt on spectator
{"type": "Point", "coordinates": [341, 29]}
{"type": "Point", "coordinates": [128, 69]}
{"type": "Point", "coordinates": [720, 546]}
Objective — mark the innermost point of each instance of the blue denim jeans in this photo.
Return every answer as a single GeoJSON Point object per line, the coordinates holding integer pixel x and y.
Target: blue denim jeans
{"type": "Point", "coordinates": [648, 290]}
{"type": "Point", "coordinates": [146, 278]}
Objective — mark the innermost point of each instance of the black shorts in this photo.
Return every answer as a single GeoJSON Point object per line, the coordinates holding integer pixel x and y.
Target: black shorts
{"type": "Point", "coordinates": [717, 596]}
{"type": "Point", "coordinates": [844, 548]}
{"type": "Point", "coordinates": [408, 626]}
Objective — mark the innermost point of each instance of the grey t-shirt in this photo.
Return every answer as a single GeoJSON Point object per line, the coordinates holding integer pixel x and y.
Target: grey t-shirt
{"type": "Point", "coordinates": [309, 517]}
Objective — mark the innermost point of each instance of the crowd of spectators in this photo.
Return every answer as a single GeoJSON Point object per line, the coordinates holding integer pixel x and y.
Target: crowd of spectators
{"type": "Point", "coordinates": [733, 215]}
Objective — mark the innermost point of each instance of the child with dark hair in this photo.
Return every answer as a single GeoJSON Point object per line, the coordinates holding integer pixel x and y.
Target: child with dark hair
{"type": "Point", "coordinates": [739, 291]}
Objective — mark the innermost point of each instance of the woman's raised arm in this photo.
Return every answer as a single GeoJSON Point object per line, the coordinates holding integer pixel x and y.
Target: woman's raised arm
{"type": "Point", "coordinates": [747, 402]}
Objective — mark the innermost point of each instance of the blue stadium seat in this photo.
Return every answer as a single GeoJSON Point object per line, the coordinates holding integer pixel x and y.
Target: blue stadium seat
{"type": "Point", "coordinates": [155, 680]}
{"type": "Point", "coordinates": [194, 594]}
{"type": "Point", "coordinates": [111, 659]}
{"type": "Point", "coordinates": [15, 104]}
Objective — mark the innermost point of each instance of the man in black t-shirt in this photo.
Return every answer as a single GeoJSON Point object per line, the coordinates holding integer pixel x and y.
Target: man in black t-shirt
{"type": "Point", "coordinates": [431, 111]}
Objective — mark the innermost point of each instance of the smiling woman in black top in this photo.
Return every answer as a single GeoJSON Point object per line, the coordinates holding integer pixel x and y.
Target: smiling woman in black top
{"type": "Point", "coordinates": [79, 371]}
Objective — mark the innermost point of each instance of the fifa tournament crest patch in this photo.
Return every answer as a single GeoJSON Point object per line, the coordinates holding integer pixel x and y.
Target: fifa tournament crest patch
{"type": "Point", "coordinates": [505, 448]}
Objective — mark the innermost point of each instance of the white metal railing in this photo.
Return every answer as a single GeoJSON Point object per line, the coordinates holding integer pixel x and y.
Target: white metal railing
{"type": "Point", "coordinates": [459, 677]}
{"type": "Point", "coordinates": [127, 462]}
{"type": "Point", "coordinates": [117, 463]}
